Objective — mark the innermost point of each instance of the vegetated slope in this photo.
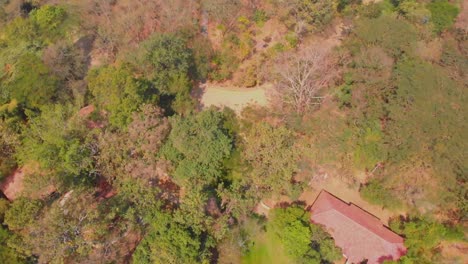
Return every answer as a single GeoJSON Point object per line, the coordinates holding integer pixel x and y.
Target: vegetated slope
{"type": "Point", "coordinates": [121, 163]}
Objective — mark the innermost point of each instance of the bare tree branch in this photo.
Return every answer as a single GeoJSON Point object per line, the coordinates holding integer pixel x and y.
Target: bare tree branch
{"type": "Point", "coordinates": [302, 76]}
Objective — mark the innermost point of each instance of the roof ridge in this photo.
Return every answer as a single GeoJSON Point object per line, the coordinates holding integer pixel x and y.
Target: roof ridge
{"type": "Point", "coordinates": [375, 220]}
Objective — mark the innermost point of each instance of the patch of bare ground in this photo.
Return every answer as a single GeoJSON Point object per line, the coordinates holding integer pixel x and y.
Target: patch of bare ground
{"type": "Point", "coordinates": [462, 19]}
{"type": "Point", "coordinates": [13, 186]}
{"type": "Point", "coordinates": [233, 97]}
{"type": "Point", "coordinates": [454, 252]}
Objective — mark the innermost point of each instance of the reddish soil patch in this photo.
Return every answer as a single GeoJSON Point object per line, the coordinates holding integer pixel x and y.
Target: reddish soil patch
{"type": "Point", "coordinates": [12, 186]}
{"type": "Point", "coordinates": [462, 20]}
{"type": "Point", "coordinates": [455, 253]}
{"type": "Point", "coordinates": [105, 190]}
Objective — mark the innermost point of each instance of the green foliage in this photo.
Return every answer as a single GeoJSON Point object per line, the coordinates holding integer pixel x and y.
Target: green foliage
{"type": "Point", "coordinates": [8, 143]}
{"type": "Point", "coordinates": [57, 140]}
{"type": "Point", "coordinates": [170, 242]}
{"type": "Point", "coordinates": [8, 254]}
{"type": "Point", "coordinates": [29, 82]}
{"type": "Point", "coordinates": [166, 59]}
{"type": "Point", "coordinates": [427, 125]}
{"type": "Point", "coordinates": [305, 242]}
{"type": "Point", "coordinates": [260, 17]}
{"type": "Point", "coordinates": [414, 11]}
{"type": "Point", "coordinates": [225, 63]}
{"type": "Point", "coordinates": [307, 15]}
{"type": "Point", "coordinates": [22, 213]}
{"type": "Point", "coordinates": [422, 237]}
{"type": "Point", "coordinates": [4, 205]}
{"type": "Point", "coordinates": [369, 150]}
{"type": "Point", "coordinates": [202, 56]}
{"type": "Point", "coordinates": [396, 36]}
{"type": "Point", "coordinates": [139, 200]}
{"type": "Point", "coordinates": [292, 40]}
{"type": "Point", "coordinates": [198, 145]}
{"type": "Point", "coordinates": [44, 25]}
{"type": "Point", "coordinates": [371, 10]}
{"type": "Point", "coordinates": [271, 154]}
{"type": "Point", "coordinates": [376, 193]}
{"type": "Point", "coordinates": [116, 90]}
{"type": "Point", "coordinates": [68, 228]}
{"type": "Point", "coordinates": [22, 30]}
{"type": "Point", "coordinates": [344, 95]}
{"type": "Point", "coordinates": [49, 19]}
{"type": "Point", "coordinates": [443, 14]}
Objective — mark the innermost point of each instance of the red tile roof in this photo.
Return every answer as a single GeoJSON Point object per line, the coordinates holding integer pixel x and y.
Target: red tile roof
{"type": "Point", "coordinates": [358, 233]}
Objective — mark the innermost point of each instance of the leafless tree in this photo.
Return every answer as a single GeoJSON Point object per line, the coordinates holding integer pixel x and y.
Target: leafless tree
{"type": "Point", "coordinates": [301, 76]}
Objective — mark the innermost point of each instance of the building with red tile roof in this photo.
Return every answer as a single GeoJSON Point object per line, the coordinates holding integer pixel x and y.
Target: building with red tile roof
{"type": "Point", "coordinates": [360, 235]}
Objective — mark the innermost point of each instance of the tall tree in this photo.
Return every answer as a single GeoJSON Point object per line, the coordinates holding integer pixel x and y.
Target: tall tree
{"type": "Point", "coordinates": [271, 154]}
{"type": "Point", "coordinates": [118, 91]}
{"type": "Point", "coordinates": [57, 140]}
{"type": "Point", "coordinates": [305, 242]}
{"type": "Point", "coordinates": [302, 76]}
{"type": "Point", "coordinates": [198, 145]}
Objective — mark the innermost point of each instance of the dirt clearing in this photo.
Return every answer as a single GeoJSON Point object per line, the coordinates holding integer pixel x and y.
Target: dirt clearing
{"type": "Point", "coordinates": [233, 97]}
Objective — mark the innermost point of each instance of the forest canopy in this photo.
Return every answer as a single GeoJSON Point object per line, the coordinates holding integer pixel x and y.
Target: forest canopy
{"type": "Point", "coordinates": [111, 153]}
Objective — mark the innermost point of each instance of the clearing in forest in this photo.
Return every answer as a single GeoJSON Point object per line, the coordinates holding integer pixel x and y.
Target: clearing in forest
{"type": "Point", "coordinates": [233, 97]}
{"type": "Point", "coordinates": [267, 249]}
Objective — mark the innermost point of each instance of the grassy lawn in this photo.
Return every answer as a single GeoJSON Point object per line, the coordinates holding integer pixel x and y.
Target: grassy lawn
{"type": "Point", "coordinates": [266, 250]}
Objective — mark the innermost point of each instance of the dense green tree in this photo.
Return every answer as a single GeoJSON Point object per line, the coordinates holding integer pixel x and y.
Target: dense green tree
{"type": "Point", "coordinates": [44, 25]}
{"type": "Point", "coordinates": [7, 253]}
{"type": "Point", "coordinates": [22, 213]}
{"type": "Point", "coordinates": [167, 60]}
{"type": "Point", "coordinates": [118, 91]}
{"type": "Point", "coordinates": [303, 241]}
{"type": "Point", "coordinates": [422, 237]}
{"type": "Point", "coordinates": [8, 143]}
{"type": "Point", "coordinates": [198, 145]}
{"type": "Point", "coordinates": [170, 242]}
{"type": "Point", "coordinates": [29, 82]}
{"type": "Point", "coordinates": [271, 154]}
{"type": "Point", "coordinates": [56, 139]}
{"type": "Point", "coordinates": [49, 20]}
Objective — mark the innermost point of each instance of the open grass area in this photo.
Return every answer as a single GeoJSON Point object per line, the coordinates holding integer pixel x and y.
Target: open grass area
{"type": "Point", "coordinates": [266, 250]}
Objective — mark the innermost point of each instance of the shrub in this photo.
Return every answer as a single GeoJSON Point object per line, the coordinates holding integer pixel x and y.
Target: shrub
{"type": "Point", "coordinates": [396, 36]}
{"type": "Point", "coordinates": [375, 193]}
{"type": "Point", "coordinates": [22, 212]}
{"type": "Point", "coordinates": [260, 17]}
{"type": "Point", "coordinates": [443, 14]}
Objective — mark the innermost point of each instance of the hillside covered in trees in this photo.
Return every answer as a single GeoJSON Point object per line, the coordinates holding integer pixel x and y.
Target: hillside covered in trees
{"type": "Point", "coordinates": [108, 155]}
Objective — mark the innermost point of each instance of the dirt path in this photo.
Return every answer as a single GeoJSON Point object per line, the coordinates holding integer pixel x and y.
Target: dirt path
{"type": "Point", "coordinates": [235, 98]}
